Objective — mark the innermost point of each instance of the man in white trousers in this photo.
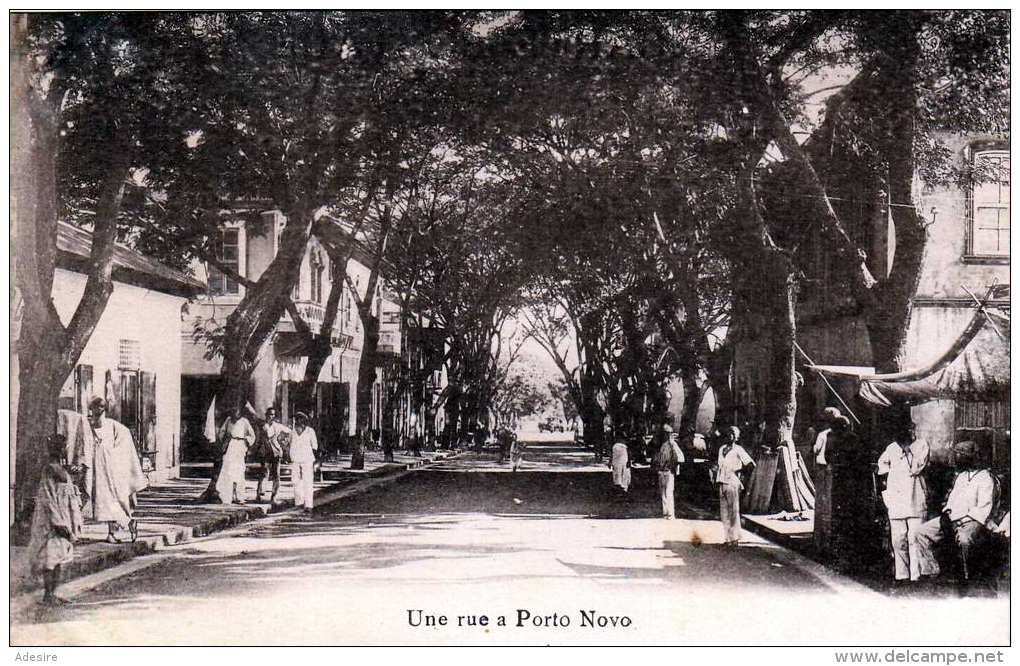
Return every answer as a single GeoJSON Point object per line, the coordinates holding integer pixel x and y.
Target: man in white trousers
{"type": "Point", "coordinates": [303, 446]}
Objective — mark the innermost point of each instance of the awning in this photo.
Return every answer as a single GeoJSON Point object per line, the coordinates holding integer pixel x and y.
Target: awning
{"type": "Point", "coordinates": [974, 368]}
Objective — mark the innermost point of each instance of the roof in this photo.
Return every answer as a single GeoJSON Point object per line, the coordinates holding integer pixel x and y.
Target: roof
{"type": "Point", "coordinates": [74, 247]}
{"type": "Point", "coordinates": [975, 367]}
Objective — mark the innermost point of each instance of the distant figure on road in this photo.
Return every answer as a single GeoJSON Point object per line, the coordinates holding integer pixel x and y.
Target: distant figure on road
{"type": "Point", "coordinates": [516, 453]}
{"type": "Point", "coordinates": [117, 474]}
{"type": "Point", "coordinates": [666, 462]}
{"type": "Point", "coordinates": [303, 446]}
{"type": "Point", "coordinates": [481, 435]}
{"type": "Point", "coordinates": [237, 436]}
{"type": "Point", "coordinates": [852, 506]}
{"type": "Point", "coordinates": [56, 520]}
{"type": "Point", "coordinates": [620, 464]}
{"type": "Point", "coordinates": [733, 459]}
{"type": "Point", "coordinates": [505, 437]}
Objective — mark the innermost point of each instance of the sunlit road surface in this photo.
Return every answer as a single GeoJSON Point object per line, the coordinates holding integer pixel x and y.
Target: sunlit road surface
{"type": "Point", "coordinates": [468, 538]}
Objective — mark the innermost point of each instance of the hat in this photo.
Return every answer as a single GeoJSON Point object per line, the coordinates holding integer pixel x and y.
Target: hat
{"type": "Point", "coordinates": [97, 403]}
{"type": "Point", "coordinates": [735, 431]}
{"type": "Point", "coordinates": [966, 448]}
{"type": "Point", "coordinates": [668, 429]}
{"type": "Point", "coordinates": [831, 413]}
{"type": "Point", "coordinates": [300, 416]}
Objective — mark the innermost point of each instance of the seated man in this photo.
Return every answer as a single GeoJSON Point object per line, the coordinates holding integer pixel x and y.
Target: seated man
{"type": "Point", "coordinates": [965, 513]}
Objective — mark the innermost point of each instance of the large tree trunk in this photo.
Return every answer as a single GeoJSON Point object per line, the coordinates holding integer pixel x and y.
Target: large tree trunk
{"type": "Point", "coordinates": [719, 368]}
{"type": "Point", "coordinates": [366, 380]}
{"type": "Point", "coordinates": [48, 351]}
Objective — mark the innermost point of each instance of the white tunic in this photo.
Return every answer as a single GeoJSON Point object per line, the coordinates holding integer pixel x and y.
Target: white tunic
{"type": "Point", "coordinates": [621, 472]}
{"type": "Point", "coordinates": [972, 495]}
{"type": "Point", "coordinates": [732, 459]}
{"type": "Point", "coordinates": [906, 494]}
{"type": "Point", "coordinates": [303, 445]}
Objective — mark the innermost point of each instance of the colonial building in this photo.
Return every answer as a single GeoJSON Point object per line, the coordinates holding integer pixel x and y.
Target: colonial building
{"type": "Point", "coordinates": [132, 359]}
{"type": "Point", "coordinates": [249, 249]}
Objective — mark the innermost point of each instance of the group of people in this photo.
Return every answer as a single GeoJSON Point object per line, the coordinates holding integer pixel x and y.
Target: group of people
{"type": "Point", "coordinates": [731, 463]}
{"type": "Point", "coordinates": [92, 472]}
{"type": "Point", "coordinates": [843, 491]}
{"type": "Point", "coordinates": [270, 445]}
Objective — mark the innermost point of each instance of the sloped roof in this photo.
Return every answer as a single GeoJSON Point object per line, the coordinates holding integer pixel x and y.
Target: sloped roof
{"type": "Point", "coordinates": [74, 247]}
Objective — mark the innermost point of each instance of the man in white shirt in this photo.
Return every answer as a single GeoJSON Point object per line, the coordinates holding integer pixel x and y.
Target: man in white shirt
{"type": "Point", "coordinates": [303, 446]}
{"type": "Point", "coordinates": [965, 513]}
{"type": "Point", "coordinates": [903, 464]}
{"type": "Point", "coordinates": [271, 454]}
{"type": "Point", "coordinates": [733, 459]}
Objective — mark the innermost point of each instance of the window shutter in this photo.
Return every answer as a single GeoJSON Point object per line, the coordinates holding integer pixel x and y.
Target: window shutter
{"type": "Point", "coordinates": [148, 412]}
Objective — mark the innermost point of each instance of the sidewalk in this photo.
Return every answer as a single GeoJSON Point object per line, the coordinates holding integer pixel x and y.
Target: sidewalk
{"type": "Point", "coordinates": [168, 513]}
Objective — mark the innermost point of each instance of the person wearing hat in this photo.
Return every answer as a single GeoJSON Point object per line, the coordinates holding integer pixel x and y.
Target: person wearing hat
{"type": "Point", "coordinates": [666, 462]}
{"type": "Point", "coordinates": [116, 473]}
{"type": "Point", "coordinates": [303, 446]}
{"type": "Point", "coordinates": [56, 520]}
{"type": "Point", "coordinates": [733, 460]}
{"type": "Point", "coordinates": [906, 498]}
{"type": "Point", "coordinates": [823, 484]}
{"type": "Point", "coordinates": [965, 514]}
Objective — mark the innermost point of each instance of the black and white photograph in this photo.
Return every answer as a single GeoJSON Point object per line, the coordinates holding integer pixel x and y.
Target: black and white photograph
{"type": "Point", "coordinates": [497, 327]}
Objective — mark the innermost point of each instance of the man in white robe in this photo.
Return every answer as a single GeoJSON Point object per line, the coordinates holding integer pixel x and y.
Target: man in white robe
{"type": "Point", "coordinates": [116, 475]}
{"type": "Point", "coordinates": [620, 464]}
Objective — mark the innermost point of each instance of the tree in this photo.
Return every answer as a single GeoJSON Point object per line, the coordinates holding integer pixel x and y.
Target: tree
{"type": "Point", "coordinates": [94, 102]}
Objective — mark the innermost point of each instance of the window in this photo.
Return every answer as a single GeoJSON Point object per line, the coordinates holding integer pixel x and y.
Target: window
{"type": "Point", "coordinates": [990, 215]}
{"type": "Point", "coordinates": [228, 252]}
{"type": "Point", "coordinates": [317, 269]}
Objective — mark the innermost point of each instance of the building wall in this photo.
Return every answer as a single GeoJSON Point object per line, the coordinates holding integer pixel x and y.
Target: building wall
{"type": "Point", "coordinates": [154, 320]}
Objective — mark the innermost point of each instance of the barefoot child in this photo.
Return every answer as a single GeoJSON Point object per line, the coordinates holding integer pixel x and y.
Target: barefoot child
{"type": "Point", "coordinates": [56, 520]}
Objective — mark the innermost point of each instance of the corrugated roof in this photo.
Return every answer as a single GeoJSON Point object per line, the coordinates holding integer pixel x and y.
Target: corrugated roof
{"type": "Point", "coordinates": [74, 247]}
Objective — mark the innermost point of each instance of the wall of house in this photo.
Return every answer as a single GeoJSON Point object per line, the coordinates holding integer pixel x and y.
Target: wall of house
{"type": "Point", "coordinates": [154, 320]}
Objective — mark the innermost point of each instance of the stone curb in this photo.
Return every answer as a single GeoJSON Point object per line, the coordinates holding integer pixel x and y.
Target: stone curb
{"type": "Point", "coordinates": [146, 545]}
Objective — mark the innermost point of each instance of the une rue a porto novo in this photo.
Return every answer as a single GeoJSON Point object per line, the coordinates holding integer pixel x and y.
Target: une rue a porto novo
{"type": "Point", "coordinates": [590, 619]}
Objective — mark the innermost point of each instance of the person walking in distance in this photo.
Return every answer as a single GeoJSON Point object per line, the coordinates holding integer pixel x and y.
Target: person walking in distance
{"type": "Point", "coordinates": [667, 460]}
{"type": "Point", "coordinates": [303, 446]}
{"type": "Point", "coordinates": [237, 437]}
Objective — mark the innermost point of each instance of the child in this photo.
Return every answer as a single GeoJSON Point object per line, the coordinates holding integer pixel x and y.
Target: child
{"type": "Point", "coordinates": [56, 520]}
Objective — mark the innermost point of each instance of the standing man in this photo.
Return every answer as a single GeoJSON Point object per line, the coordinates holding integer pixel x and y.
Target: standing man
{"type": "Point", "coordinates": [906, 497]}
{"type": "Point", "coordinates": [303, 446]}
{"type": "Point", "coordinates": [237, 436]}
{"type": "Point", "coordinates": [271, 454]}
{"type": "Point", "coordinates": [964, 515]}
{"type": "Point", "coordinates": [667, 460]}
{"type": "Point", "coordinates": [116, 473]}
{"type": "Point", "coordinates": [823, 484]}
{"type": "Point", "coordinates": [733, 459]}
